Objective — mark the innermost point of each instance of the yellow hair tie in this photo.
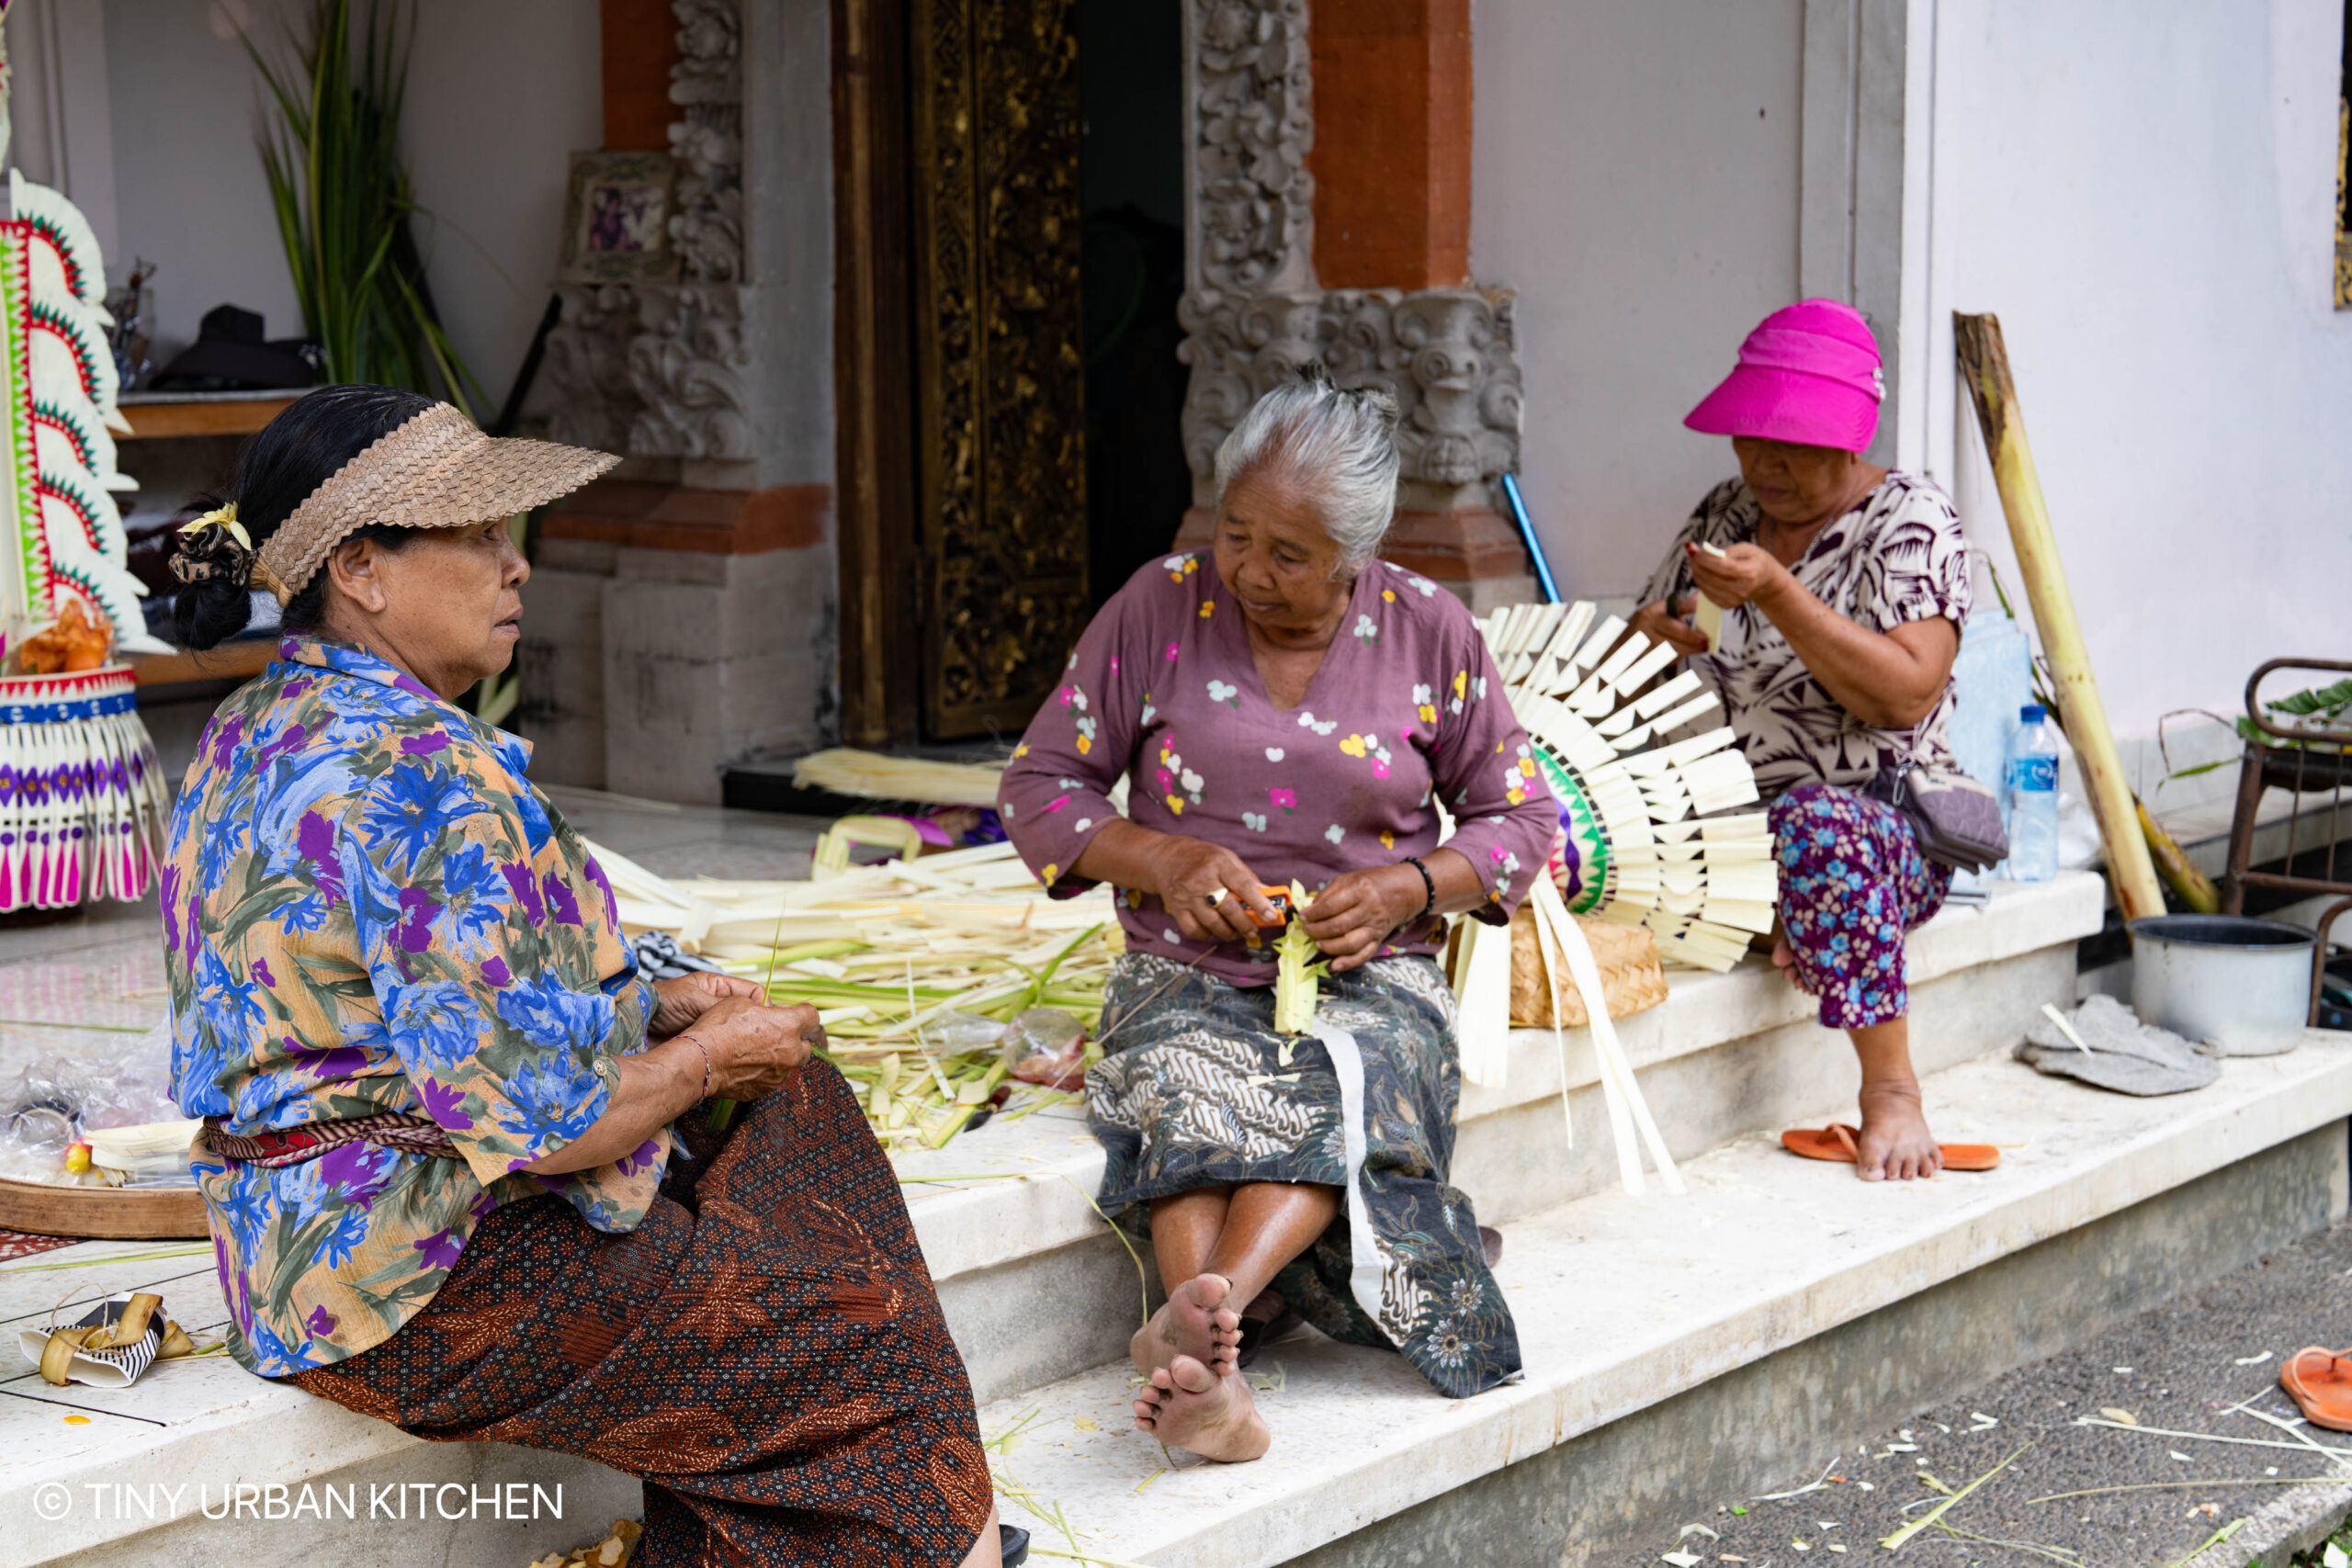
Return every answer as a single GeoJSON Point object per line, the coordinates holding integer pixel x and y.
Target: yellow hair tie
{"type": "Point", "coordinates": [222, 517]}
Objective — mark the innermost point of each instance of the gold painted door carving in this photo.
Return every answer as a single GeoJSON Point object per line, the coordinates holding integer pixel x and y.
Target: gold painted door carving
{"type": "Point", "coordinates": [998, 362]}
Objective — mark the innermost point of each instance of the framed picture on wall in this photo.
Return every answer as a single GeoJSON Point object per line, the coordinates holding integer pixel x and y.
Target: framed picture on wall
{"type": "Point", "coordinates": [616, 219]}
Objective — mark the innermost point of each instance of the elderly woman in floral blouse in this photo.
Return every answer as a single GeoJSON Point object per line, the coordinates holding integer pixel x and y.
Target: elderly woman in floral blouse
{"type": "Point", "coordinates": [1287, 708]}
{"type": "Point", "coordinates": [438, 1154]}
{"type": "Point", "coordinates": [1844, 587]}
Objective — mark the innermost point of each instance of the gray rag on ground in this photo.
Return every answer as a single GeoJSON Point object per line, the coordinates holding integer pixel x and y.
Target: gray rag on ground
{"type": "Point", "coordinates": [2125, 1055]}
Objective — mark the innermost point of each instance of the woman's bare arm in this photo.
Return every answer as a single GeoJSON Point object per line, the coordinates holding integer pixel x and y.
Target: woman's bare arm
{"type": "Point", "coordinates": [1890, 680]}
{"type": "Point", "coordinates": [752, 1050]}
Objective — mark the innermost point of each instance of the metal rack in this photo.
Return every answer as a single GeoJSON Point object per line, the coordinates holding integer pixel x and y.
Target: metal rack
{"type": "Point", "coordinates": [2301, 763]}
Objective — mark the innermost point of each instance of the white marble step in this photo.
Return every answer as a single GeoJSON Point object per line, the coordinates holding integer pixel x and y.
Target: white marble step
{"type": "Point", "coordinates": [1623, 1303]}
{"type": "Point", "coordinates": [1723, 1056]}
{"type": "Point", "coordinates": [1041, 1173]}
{"type": "Point", "coordinates": [1027, 1269]}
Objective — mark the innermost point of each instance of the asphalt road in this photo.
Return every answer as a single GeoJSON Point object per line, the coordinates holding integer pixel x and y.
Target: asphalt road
{"type": "Point", "coordinates": [2182, 1366]}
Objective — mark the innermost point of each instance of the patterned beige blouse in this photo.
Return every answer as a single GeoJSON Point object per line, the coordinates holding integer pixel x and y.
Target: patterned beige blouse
{"type": "Point", "coordinates": [1898, 556]}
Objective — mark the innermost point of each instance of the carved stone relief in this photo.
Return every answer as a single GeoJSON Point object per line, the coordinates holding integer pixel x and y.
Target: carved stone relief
{"type": "Point", "coordinates": [658, 369]}
{"type": "Point", "coordinates": [1254, 202]}
{"type": "Point", "coordinates": [1449, 356]}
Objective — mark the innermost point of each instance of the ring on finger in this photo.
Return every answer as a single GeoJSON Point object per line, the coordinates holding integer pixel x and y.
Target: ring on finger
{"type": "Point", "coordinates": [1217, 898]}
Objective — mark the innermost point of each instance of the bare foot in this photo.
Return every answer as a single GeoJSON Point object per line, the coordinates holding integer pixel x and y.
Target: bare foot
{"type": "Point", "coordinates": [1196, 1321]}
{"type": "Point", "coordinates": [1784, 958]}
{"type": "Point", "coordinates": [1186, 1405]}
{"type": "Point", "coordinates": [1896, 1144]}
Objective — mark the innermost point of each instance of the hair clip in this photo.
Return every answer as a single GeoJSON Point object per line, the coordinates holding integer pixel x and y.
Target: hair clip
{"type": "Point", "coordinates": [225, 518]}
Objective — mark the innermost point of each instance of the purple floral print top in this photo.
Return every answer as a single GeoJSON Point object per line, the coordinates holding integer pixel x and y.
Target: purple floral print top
{"type": "Point", "coordinates": [1406, 711]}
{"type": "Point", "coordinates": [366, 908]}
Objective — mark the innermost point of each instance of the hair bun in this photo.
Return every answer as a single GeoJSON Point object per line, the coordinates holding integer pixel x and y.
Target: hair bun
{"type": "Point", "coordinates": [214, 549]}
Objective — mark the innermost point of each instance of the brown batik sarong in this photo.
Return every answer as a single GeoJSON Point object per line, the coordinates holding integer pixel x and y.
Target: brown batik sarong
{"type": "Point", "coordinates": [765, 1352]}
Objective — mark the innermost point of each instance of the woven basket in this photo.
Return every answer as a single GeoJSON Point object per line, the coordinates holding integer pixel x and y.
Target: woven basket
{"type": "Point", "coordinates": [82, 796]}
{"type": "Point", "coordinates": [1632, 980]}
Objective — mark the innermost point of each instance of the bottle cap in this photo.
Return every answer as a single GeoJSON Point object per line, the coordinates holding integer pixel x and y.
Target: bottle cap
{"type": "Point", "coordinates": [2032, 713]}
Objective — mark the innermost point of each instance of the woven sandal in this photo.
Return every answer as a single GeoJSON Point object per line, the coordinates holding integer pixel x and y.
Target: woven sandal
{"type": "Point", "coordinates": [2320, 1382]}
{"type": "Point", "coordinates": [1835, 1143]}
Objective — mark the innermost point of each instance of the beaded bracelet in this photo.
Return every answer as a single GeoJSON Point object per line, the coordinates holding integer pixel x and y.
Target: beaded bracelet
{"type": "Point", "coordinates": [706, 1062]}
{"type": "Point", "coordinates": [1429, 883]}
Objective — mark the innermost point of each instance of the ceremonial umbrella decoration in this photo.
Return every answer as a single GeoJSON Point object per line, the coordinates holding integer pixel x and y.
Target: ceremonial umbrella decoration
{"type": "Point", "coordinates": [82, 798]}
{"type": "Point", "coordinates": [1650, 784]}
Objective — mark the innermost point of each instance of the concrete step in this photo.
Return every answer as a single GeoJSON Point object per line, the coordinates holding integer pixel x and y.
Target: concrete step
{"type": "Point", "coordinates": [1624, 1303]}
{"type": "Point", "coordinates": [1723, 1056]}
{"type": "Point", "coordinates": [1036, 1287]}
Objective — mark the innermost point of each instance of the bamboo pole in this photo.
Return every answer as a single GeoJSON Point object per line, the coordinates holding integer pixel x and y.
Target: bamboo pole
{"type": "Point", "coordinates": [1985, 363]}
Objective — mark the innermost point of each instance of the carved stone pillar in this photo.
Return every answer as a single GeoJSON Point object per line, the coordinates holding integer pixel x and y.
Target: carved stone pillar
{"type": "Point", "coordinates": [692, 594]}
{"type": "Point", "coordinates": [657, 370]}
{"type": "Point", "coordinates": [1264, 201]}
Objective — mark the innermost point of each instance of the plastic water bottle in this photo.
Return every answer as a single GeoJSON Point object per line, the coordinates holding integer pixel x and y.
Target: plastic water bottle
{"type": "Point", "coordinates": [2033, 798]}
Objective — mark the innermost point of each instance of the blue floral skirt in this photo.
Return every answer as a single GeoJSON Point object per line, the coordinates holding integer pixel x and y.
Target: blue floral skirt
{"type": "Point", "coordinates": [1194, 1090]}
{"type": "Point", "coordinates": [1853, 885]}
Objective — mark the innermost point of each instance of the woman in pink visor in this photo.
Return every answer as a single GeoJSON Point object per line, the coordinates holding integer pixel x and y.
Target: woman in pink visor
{"type": "Point", "coordinates": [1843, 586]}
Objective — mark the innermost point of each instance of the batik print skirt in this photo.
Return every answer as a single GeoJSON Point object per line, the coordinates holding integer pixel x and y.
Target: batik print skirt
{"type": "Point", "coordinates": [1853, 885]}
{"type": "Point", "coordinates": [765, 1352]}
{"type": "Point", "coordinates": [1194, 1091]}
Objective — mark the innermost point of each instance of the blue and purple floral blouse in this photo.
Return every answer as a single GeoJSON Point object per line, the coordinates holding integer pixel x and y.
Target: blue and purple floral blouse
{"type": "Point", "coordinates": [368, 909]}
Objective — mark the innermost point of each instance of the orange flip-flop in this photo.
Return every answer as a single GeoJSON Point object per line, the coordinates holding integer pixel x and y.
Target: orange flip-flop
{"type": "Point", "coordinates": [1835, 1143]}
{"type": "Point", "coordinates": [2320, 1382]}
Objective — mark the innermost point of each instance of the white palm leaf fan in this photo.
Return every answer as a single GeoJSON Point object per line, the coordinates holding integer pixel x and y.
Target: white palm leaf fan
{"type": "Point", "coordinates": [1651, 787]}
{"type": "Point", "coordinates": [1655, 794]}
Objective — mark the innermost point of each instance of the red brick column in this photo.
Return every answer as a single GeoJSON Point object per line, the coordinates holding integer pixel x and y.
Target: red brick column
{"type": "Point", "coordinates": [640, 45]}
{"type": "Point", "coordinates": [1391, 159]}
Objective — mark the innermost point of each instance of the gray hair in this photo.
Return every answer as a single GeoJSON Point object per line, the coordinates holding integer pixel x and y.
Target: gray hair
{"type": "Point", "coordinates": [1341, 443]}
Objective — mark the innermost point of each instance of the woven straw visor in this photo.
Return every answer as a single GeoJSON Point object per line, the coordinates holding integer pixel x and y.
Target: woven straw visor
{"type": "Point", "coordinates": [436, 471]}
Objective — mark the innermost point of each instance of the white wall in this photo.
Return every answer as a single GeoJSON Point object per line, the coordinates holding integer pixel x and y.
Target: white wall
{"type": "Point", "coordinates": [190, 193]}
{"type": "Point", "coordinates": [499, 96]}
{"type": "Point", "coordinates": [2142, 190]}
{"type": "Point", "coordinates": [1637, 180]}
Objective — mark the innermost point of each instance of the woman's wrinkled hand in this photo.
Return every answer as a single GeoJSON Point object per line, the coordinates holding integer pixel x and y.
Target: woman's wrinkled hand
{"type": "Point", "coordinates": [1208, 890]}
{"type": "Point", "coordinates": [685, 999]}
{"type": "Point", "coordinates": [1741, 573]}
{"type": "Point", "coordinates": [1361, 909]}
{"type": "Point", "coordinates": [1663, 622]}
{"type": "Point", "coordinates": [754, 1049]}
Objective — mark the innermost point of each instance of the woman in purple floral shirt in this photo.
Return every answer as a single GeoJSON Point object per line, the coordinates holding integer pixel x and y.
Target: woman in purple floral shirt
{"type": "Point", "coordinates": [439, 1155]}
{"type": "Point", "coordinates": [1286, 707]}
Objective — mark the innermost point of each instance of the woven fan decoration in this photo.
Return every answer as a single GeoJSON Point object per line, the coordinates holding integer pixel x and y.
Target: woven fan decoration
{"type": "Point", "coordinates": [82, 798]}
{"type": "Point", "coordinates": [1650, 784]}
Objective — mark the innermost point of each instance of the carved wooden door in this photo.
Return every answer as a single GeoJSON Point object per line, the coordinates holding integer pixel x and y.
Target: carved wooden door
{"type": "Point", "coordinates": [998, 362]}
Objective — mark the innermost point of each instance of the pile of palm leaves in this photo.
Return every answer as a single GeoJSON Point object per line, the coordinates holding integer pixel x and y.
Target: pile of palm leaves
{"type": "Point", "coordinates": [902, 961]}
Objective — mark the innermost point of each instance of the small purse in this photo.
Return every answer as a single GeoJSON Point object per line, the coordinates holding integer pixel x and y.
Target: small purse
{"type": "Point", "coordinates": [1956, 820]}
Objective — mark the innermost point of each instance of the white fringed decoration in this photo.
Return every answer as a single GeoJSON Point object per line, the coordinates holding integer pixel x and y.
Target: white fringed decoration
{"type": "Point", "coordinates": [81, 798]}
{"type": "Point", "coordinates": [1650, 783]}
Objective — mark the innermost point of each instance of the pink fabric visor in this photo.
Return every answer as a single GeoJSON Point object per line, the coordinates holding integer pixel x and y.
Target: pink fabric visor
{"type": "Point", "coordinates": [1808, 374]}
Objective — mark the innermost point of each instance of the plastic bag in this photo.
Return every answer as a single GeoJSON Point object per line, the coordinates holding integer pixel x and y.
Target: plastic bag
{"type": "Point", "coordinates": [954, 1034]}
{"type": "Point", "coordinates": [1046, 1046]}
{"type": "Point", "coordinates": [54, 1093]}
